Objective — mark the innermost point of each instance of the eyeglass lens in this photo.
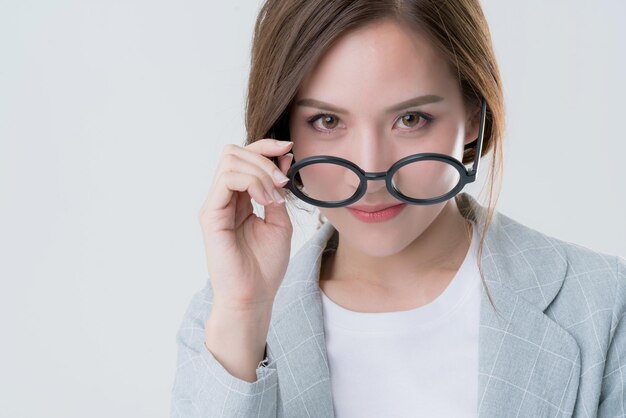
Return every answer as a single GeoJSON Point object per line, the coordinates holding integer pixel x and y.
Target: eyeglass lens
{"type": "Point", "coordinates": [422, 179]}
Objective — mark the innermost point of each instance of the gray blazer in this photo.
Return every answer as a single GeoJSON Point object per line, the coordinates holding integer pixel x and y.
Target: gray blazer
{"type": "Point", "coordinates": [556, 348]}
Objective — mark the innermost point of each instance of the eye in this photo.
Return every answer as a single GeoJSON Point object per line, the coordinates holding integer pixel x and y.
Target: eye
{"type": "Point", "coordinates": [413, 119]}
{"type": "Point", "coordinates": [328, 121]}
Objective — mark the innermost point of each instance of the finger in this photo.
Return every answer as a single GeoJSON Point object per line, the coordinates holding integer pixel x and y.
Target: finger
{"type": "Point", "coordinates": [243, 209]}
{"type": "Point", "coordinates": [252, 155]}
{"type": "Point", "coordinates": [229, 182]}
{"type": "Point", "coordinates": [269, 146]}
{"type": "Point", "coordinates": [234, 162]}
{"type": "Point", "coordinates": [266, 146]}
{"type": "Point", "coordinates": [276, 213]}
{"type": "Point", "coordinates": [284, 162]}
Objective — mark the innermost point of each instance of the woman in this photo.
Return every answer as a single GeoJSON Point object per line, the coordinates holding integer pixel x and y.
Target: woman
{"type": "Point", "coordinates": [412, 298]}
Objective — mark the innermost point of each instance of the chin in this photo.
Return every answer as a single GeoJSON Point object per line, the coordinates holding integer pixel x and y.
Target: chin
{"type": "Point", "coordinates": [385, 238]}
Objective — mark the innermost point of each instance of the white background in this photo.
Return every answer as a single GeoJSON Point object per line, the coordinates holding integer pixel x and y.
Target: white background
{"type": "Point", "coordinates": [112, 117]}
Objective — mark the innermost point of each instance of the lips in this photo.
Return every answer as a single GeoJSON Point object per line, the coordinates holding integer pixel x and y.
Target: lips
{"type": "Point", "coordinates": [382, 215]}
{"type": "Point", "coordinates": [374, 208]}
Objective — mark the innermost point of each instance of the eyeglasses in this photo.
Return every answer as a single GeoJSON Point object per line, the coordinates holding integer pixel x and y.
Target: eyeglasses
{"type": "Point", "coordinates": [329, 177]}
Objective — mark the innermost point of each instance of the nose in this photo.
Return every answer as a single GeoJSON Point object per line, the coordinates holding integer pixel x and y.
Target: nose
{"type": "Point", "coordinates": [372, 155]}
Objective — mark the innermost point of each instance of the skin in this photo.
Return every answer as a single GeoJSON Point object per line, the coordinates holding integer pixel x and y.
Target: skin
{"type": "Point", "coordinates": [409, 260]}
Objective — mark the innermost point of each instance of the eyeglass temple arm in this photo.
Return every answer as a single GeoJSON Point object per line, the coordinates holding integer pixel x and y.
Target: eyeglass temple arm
{"type": "Point", "coordinates": [479, 141]}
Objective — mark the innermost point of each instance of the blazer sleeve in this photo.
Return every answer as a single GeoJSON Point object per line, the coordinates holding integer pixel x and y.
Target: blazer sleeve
{"type": "Point", "coordinates": [613, 392]}
{"type": "Point", "coordinates": [203, 387]}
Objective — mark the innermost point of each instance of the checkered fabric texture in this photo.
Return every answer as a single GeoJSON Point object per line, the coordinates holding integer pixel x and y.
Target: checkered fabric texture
{"type": "Point", "coordinates": [555, 346]}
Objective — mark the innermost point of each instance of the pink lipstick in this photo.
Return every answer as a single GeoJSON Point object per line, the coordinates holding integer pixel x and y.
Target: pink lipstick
{"type": "Point", "coordinates": [379, 215]}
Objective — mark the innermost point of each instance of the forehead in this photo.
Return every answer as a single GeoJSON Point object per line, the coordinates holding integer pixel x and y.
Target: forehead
{"type": "Point", "coordinates": [385, 59]}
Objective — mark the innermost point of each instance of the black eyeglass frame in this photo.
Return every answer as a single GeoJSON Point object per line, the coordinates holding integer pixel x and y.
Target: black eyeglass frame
{"type": "Point", "coordinates": [465, 176]}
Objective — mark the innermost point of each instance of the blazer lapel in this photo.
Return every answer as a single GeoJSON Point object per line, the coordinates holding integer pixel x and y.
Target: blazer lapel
{"type": "Point", "coordinates": [528, 364]}
{"type": "Point", "coordinates": [296, 335]}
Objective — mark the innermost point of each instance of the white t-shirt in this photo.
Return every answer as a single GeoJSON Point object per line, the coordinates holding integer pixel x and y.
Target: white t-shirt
{"type": "Point", "coordinates": [417, 363]}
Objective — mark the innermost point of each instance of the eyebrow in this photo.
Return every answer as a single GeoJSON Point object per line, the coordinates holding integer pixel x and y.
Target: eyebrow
{"type": "Point", "coordinates": [416, 101]}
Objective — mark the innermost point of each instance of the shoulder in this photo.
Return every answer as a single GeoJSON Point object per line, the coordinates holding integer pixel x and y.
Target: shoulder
{"type": "Point", "coordinates": [581, 261]}
{"type": "Point", "coordinates": [593, 283]}
{"type": "Point", "coordinates": [600, 278]}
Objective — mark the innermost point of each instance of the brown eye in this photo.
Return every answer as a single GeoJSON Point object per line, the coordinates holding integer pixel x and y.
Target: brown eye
{"type": "Point", "coordinates": [328, 121]}
{"type": "Point", "coordinates": [410, 120]}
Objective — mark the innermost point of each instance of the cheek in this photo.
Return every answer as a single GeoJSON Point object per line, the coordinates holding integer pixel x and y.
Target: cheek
{"type": "Point", "coordinates": [447, 140]}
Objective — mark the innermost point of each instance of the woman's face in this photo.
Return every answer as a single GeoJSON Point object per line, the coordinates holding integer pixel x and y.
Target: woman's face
{"type": "Point", "coordinates": [343, 109]}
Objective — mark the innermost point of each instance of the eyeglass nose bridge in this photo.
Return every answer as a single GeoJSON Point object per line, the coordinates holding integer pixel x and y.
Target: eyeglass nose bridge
{"type": "Point", "coordinates": [381, 175]}
{"type": "Point", "coordinates": [376, 176]}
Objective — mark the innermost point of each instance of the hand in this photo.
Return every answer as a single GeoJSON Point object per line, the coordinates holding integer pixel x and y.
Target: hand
{"type": "Point", "coordinates": [247, 256]}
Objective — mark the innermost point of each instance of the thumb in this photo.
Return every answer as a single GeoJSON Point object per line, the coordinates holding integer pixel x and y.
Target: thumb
{"type": "Point", "coordinates": [276, 213]}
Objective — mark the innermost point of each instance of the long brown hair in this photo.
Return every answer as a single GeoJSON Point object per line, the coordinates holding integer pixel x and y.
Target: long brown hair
{"type": "Point", "coordinates": [290, 36]}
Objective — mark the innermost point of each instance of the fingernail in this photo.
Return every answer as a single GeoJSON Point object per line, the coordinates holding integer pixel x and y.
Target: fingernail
{"type": "Point", "coordinates": [268, 198]}
{"type": "Point", "coordinates": [279, 176]}
{"type": "Point", "coordinates": [283, 143]}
